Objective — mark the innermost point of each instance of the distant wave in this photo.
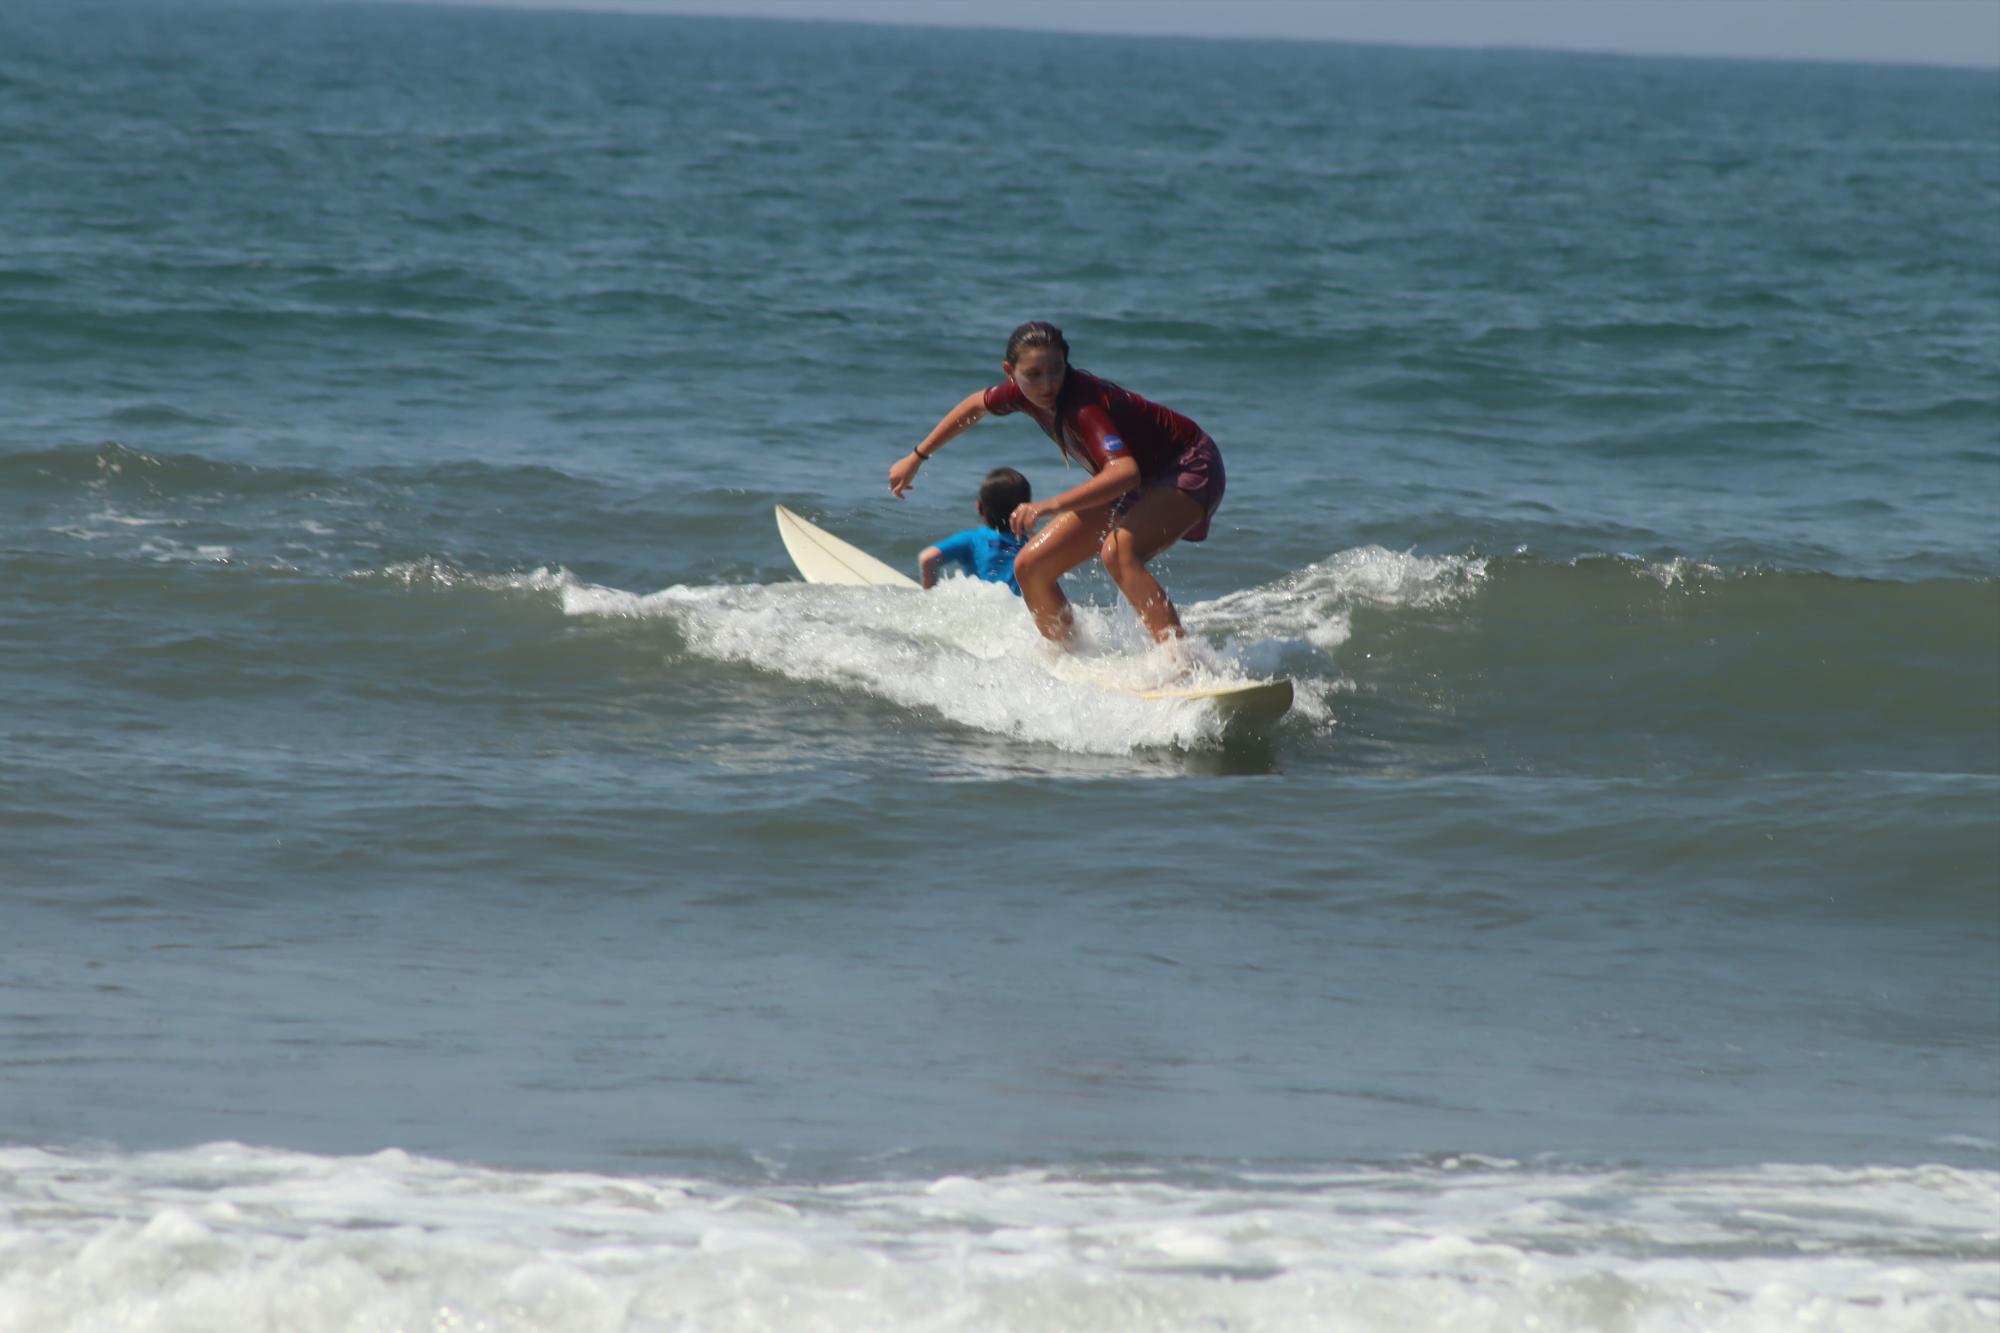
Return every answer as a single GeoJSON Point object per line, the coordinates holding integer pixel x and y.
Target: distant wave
{"type": "Point", "coordinates": [1498, 661]}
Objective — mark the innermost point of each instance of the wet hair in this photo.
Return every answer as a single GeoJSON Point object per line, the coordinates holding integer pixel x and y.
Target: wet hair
{"type": "Point", "coordinates": [1000, 494]}
{"type": "Point", "coordinates": [1035, 333]}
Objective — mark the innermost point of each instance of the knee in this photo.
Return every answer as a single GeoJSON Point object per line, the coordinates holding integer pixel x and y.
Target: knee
{"type": "Point", "coordinates": [1034, 569]}
{"type": "Point", "coordinates": [1120, 555]}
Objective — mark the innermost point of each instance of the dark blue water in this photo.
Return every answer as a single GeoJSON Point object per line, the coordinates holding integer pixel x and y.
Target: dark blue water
{"type": "Point", "coordinates": [422, 765]}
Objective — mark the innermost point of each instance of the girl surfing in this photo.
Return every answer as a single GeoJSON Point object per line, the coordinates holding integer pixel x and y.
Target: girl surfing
{"type": "Point", "coordinates": [1156, 478]}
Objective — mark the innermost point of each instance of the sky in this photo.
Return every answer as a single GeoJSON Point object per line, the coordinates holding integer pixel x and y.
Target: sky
{"type": "Point", "coordinates": [1928, 32]}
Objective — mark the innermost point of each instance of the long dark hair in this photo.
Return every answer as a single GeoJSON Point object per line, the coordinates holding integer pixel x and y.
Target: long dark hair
{"type": "Point", "coordinates": [1035, 333]}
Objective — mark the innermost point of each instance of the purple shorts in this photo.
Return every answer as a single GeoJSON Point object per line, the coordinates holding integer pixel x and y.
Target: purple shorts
{"type": "Point", "coordinates": [1198, 475]}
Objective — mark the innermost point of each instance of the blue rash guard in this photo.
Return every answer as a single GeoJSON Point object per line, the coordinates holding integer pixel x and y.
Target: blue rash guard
{"type": "Point", "coordinates": [984, 553]}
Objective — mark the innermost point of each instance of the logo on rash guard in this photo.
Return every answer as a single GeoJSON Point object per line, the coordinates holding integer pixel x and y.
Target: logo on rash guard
{"type": "Point", "coordinates": [1113, 445]}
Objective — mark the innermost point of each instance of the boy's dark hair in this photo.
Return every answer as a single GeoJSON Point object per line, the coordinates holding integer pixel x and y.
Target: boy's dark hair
{"type": "Point", "coordinates": [1003, 490]}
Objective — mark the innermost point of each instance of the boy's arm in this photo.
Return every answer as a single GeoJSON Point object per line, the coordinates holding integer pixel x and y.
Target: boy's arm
{"type": "Point", "coordinates": [903, 474]}
{"type": "Point", "coordinates": [955, 549]}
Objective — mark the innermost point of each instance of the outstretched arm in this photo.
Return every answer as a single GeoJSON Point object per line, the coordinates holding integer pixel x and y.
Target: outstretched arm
{"type": "Point", "coordinates": [927, 565]}
{"type": "Point", "coordinates": [903, 473]}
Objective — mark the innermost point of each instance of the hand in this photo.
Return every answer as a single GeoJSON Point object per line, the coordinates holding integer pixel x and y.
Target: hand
{"type": "Point", "coordinates": [903, 473]}
{"type": "Point", "coordinates": [1024, 518]}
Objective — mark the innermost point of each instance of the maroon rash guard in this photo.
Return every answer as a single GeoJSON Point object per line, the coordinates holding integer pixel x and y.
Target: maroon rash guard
{"type": "Point", "coordinates": [1095, 421]}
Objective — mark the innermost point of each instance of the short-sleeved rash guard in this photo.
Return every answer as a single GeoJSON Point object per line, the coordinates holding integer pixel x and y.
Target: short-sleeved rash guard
{"type": "Point", "coordinates": [1095, 421]}
{"type": "Point", "coordinates": [984, 553]}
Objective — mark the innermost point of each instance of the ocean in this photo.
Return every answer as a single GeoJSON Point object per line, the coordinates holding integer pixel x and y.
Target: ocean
{"type": "Point", "coordinates": [454, 875]}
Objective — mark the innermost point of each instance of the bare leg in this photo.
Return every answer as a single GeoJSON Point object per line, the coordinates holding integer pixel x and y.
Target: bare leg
{"type": "Point", "coordinates": [1153, 523]}
{"type": "Point", "coordinates": [1062, 545]}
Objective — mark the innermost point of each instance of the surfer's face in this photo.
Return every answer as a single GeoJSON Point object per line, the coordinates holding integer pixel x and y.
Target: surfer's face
{"type": "Point", "coordinates": [1039, 374]}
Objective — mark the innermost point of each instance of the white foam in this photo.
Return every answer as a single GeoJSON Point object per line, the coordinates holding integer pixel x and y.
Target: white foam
{"type": "Point", "coordinates": [431, 572]}
{"type": "Point", "coordinates": [1969, 1141]}
{"type": "Point", "coordinates": [230, 1238]}
{"type": "Point", "coordinates": [108, 522]}
{"type": "Point", "coordinates": [165, 551]}
{"type": "Point", "coordinates": [1671, 573]}
{"type": "Point", "coordinates": [1316, 605]}
{"type": "Point", "coordinates": [966, 650]}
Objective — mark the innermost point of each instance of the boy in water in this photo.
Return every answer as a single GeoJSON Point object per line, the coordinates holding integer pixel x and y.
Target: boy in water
{"type": "Point", "coordinates": [987, 552]}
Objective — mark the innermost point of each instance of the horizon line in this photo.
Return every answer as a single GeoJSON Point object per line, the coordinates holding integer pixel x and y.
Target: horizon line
{"type": "Point", "coordinates": [640, 9]}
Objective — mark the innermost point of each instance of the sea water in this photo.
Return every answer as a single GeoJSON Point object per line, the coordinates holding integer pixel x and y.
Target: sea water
{"type": "Point", "coordinates": [454, 875]}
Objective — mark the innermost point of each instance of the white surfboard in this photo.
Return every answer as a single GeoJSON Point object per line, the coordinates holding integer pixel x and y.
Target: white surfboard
{"type": "Point", "coordinates": [825, 558]}
{"type": "Point", "coordinates": [1245, 701]}
{"type": "Point", "coordinates": [822, 557]}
